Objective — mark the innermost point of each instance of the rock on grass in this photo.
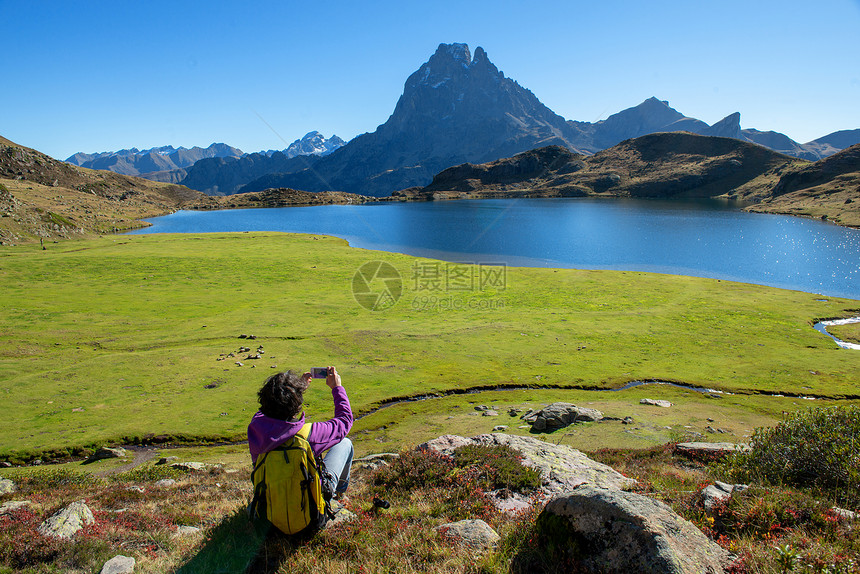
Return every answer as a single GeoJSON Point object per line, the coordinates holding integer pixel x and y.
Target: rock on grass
{"type": "Point", "coordinates": [617, 531]}
{"type": "Point", "coordinates": [66, 522]}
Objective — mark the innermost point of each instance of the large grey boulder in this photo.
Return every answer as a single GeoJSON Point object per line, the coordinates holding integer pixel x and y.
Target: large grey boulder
{"type": "Point", "coordinates": [107, 452]}
{"type": "Point", "coordinates": [65, 523]}
{"type": "Point", "coordinates": [559, 415]}
{"type": "Point", "coordinates": [119, 564]}
{"type": "Point", "coordinates": [611, 530]}
{"type": "Point", "coordinates": [561, 467]}
{"type": "Point", "coordinates": [475, 534]}
{"type": "Point", "coordinates": [7, 486]}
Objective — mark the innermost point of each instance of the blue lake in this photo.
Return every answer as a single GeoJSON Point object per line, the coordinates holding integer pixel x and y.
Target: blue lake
{"type": "Point", "coordinates": [702, 238]}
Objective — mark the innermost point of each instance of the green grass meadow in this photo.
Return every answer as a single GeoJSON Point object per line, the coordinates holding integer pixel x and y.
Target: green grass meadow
{"type": "Point", "coordinates": [118, 337]}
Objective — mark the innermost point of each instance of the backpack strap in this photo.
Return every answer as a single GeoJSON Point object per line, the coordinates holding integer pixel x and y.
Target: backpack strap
{"type": "Point", "coordinates": [259, 490]}
{"type": "Point", "coordinates": [305, 431]}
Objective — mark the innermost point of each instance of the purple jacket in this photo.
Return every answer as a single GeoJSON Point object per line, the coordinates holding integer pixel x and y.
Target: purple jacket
{"type": "Point", "coordinates": [266, 433]}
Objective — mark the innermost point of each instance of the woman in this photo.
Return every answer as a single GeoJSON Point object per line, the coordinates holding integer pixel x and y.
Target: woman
{"type": "Point", "coordinates": [281, 416]}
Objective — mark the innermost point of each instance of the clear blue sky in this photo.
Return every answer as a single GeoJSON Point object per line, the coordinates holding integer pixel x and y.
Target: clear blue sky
{"type": "Point", "coordinates": [96, 76]}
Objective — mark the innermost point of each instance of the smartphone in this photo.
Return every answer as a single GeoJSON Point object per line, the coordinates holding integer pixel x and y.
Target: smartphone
{"type": "Point", "coordinates": [319, 372]}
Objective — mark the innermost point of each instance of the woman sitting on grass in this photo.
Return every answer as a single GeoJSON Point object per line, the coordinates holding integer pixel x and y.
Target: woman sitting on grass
{"type": "Point", "coordinates": [281, 416]}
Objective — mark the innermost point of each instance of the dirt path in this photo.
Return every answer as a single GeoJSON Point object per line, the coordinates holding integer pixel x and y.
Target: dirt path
{"type": "Point", "coordinates": [142, 454]}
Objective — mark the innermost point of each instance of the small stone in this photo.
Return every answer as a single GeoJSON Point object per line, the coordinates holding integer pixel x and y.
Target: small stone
{"type": "Point", "coordinates": [164, 483]}
{"type": "Point", "coordinates": [845, 514]}
{"type": "Point", "coordinates": [167, 459]}
{"type": "Point", "coordinates": [239, 364]}
{"type": "Point", "coordinates": [193, 466]}
{"type": "Point", "coordinates": [655, 402]}
{"type": "Point", "coordinates": [489, 413]}
{"type": "Point", "coordinates": [475, 534]}
{"type": "Point", "coordinates": [13, 505]}
{"type": "Point", "coordinates": [5, 464]}
{"type": "Point", "coordinates": [186, 531]}
{"type": "Point", "coordinates": [500, 428]}
{"type": "Point", "coordinates": [708, 449]}
{"type": "Point", "coordinates": [7, 486]}
{"type": "Point", "coordinates": [107, 452]}
{"type": "Point", "coordinates": [627, 421]}
{"type": "Point", "coordinates": [135, 488]}
{"type": "Point", "coordinates": [119, 564]}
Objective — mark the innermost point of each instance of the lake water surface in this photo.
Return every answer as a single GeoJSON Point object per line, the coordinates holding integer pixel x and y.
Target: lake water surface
{"type": "Point", "coordinates": [703, 238]}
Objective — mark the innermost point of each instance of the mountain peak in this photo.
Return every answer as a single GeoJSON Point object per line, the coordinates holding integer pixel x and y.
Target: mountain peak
{"type": "Point", "coordinates": [452, 62]}
{"type": "Point", "coordinates": [457, 52]}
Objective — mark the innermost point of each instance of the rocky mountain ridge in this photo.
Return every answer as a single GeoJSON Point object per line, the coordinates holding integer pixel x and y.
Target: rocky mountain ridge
{"type": "Point", "coordinates": [458, 107]}
{"type": "Point", "coordinates": [312, 143]}
{"type": "Point", "coordinates": [170, 165]}
{"type": "Point", "coordinates": [137, 162]}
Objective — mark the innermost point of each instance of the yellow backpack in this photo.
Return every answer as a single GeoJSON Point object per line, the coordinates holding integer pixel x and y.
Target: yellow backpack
{"type": "Point", "coordinates": [288, 491]}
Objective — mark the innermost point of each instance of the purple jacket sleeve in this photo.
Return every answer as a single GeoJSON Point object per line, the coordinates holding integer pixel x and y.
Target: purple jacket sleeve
{"type": "Point", "coordinates": [326, 434]}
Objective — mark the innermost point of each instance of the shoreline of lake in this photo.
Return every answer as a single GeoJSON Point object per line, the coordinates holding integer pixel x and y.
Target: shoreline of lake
{"type": "Point", "coordinates": [694, 238]}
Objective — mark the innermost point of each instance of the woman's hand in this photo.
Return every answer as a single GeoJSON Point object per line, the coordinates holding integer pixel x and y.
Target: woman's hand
{"type": "Point", "coordinates": [333, 378]}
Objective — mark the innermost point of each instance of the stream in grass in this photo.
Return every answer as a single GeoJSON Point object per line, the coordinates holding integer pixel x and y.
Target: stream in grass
{"type": "Point", "coordinates": [482, 389]}
{"type": "Point", "coordinates": [700, 238]}
{"type": "Point", "coordinates": [821, 326]}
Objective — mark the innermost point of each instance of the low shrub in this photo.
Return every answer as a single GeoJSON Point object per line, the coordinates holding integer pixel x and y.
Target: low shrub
{"type": "Point", "coordinates": [415, 469]}
{"type": "Point", "coordinates": [500, 467]}
{"type": "Point", "coordinates": [767, 513]}
{"type": "Point", "coordinates": [46, 479]}
{"type": "Point", "coordinates": [148, 473]}
{"type": "Point", "coordinates": [817, 448]}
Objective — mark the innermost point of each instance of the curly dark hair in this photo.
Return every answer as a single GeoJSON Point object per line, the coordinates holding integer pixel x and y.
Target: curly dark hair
{"type": "Point", "coordinates": [282, 395]}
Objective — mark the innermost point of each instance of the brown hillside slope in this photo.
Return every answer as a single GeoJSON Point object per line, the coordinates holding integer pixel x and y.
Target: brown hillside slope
{"type": "Point", "coordinates": [277, 197]}
{"type": "Point", "coordinates": [657, 165]}
{"type": "Point", "coordinates": [827, 189]}
{"type": "Point", "coordinates": [43, 198]}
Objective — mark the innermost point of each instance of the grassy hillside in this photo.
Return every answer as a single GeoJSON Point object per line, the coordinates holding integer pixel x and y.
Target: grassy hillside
{"type": "Point", "coordinates": [827, 189]}
{"type": "Point", "coordinates": [676, 165]}
{"type": "Point", "coordinates": [662, 165]}
{"type": "Point", "coordinates": [122, 337]}
{"type": "Point", "coordinates": [43, 198]}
